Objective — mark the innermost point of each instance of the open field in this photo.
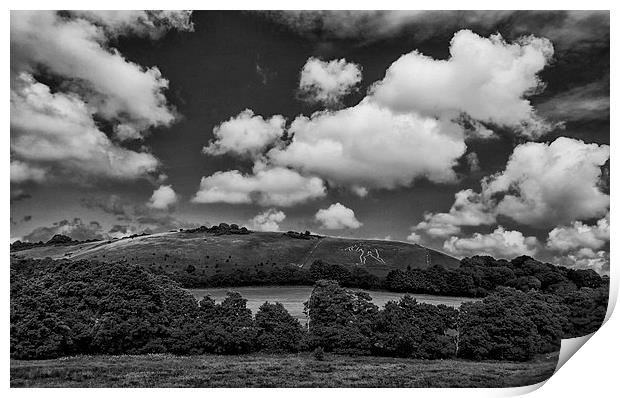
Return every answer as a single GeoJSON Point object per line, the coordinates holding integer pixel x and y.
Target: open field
{"type": "Point", "coordinates": [262, 370]}
{"type": "Point", "coordinates": [172, 253]}
{"type": "Point", "coordinates": [293, 297]}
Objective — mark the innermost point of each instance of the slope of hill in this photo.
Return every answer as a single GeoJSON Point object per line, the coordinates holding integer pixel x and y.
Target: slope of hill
{"type": "Point", "coordinates": [205, 253]}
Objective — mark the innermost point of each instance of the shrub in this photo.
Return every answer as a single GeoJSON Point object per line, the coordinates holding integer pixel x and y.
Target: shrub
{"type": "Point", "coordinates": [318, 354]}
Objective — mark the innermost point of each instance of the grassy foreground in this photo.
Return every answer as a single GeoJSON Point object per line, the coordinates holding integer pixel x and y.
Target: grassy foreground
{"type": "Point", "coordinates": [263, 370]}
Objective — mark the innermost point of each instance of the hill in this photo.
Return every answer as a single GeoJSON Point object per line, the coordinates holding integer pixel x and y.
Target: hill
{"type": "Point", "coordinates": [199, 254]}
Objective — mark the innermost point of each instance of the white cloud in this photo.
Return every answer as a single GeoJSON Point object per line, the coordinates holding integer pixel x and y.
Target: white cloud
{"type": "Point", "coordinates": [58, 129]}
{"type": "Point", "coordinates": [268, 220]}
{"type": "Point", "coordinates": [579, 235]}
{"type": "Point", "coordinates": [245, 134]}
{"type": "Point", "coordinates": [163, 198]}
{"type": "Point", "coordinates": [277, 186]}
{"type": "Point", "coordinates": [337, 216]}
{"type": "Point", "coordinates": [585, 258]}
{"type": "Point", "coordinates": [76, 49]}
{"type": "Point", "coordinates": [326, 82]}
{"type": "Point", "coordinates": [551, 184]}
{"type": "Point", "coordinates": [152, 23]}
{"type": "Point", "coordinates": [414, 237]}
{"type": "Point", "coordinates": [587, 102]}
{"type": "Point", "coordinates": [369, 146]}
{"type": "Point", "coordinates": [499, 243]}
{"type": "Point", "coordinates": [565, 28]}
{"type": "Point", "coordinates": [487, 78]}
{"type": "Point", "coordinates": [53, 127]}
{"type": "Point", "coordinates": [22, 172]}
{"type": "Point", "coordinates": [543, 185]}
{"type": "Point", "coordinates": [469, 209]}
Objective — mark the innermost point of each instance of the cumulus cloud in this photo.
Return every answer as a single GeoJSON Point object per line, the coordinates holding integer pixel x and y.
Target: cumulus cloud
{"type": "Point", "coordinates": [469, 209]}
{"type": "Point", "coordinates": [499, 243]}
{"type": "Point", "coordinates": [486, 78]}
{"type": "Point", "coordinates": [163, 198]}
{"type": "Point", "coordinates": [58, 130]}
{"type": "Point", "coordinates": [269, 220]}
{"type": "Point", "coordinates": [543, 185]}
{"type": "Point", "coordinates": [327, 82]}
{"type": "Point", "coordinates": [245, 134]}
{"type": "Point", "coordinates": [414, 237]}
{"type": "Point", "coordinates": [585, 258]}
{"type": "Point", "coordinates": [370, 146]}
{"type": "Point", "coordinates": [337, 216]}
{"type": "Point", "coordinates": [267, 186]}
{"type": "Point", "coordinates": [53, 124]}
{"type": "Point", "coordinates": [22, 172]}
{"type": "Point", "coordinates": [551, 184]}
{"type": "Point", "coordinates": [77, 49]}
{"type": "Point", "coordinates": [76, 229]}
{"type": "Point", "coordinates": [579, 235]}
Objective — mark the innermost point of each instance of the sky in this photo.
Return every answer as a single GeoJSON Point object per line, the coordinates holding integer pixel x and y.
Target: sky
{"type": "Point", "coordinates": [478, 132]}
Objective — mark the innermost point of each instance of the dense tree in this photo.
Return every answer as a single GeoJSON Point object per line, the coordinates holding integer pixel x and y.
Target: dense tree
{"type": "Point", "coordinates": [406, 328]}
{"type": "Point", "coordinates": [277, 329]}
{"type": "Point", "coordinates": [512, 325]}
{"type": "Point", "coordinates": [340, 319]}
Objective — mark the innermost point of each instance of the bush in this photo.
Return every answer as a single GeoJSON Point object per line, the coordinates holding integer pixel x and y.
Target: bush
{"type": "Point", "coordinates": [318, 354]}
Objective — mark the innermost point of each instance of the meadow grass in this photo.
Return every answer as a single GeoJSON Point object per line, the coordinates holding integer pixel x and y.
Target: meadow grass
{"type": "Point", "coordinates": [274, 370]}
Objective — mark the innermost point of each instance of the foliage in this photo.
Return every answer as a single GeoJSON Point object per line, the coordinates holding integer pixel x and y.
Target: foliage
{"type": "Point", "coordinates": [277, 329]}
{"type": "Point", "coordinates": [407, 328]}
{"type": "Point", "coordinates": [340, 319]}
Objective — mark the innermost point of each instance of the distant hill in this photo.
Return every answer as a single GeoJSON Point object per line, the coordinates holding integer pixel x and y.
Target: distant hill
{"type": "Point", "coordinates": [204, 253]}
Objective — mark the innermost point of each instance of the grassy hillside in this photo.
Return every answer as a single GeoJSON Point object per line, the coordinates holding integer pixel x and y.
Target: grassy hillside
{"type": "Point", "coordinates": [263, 370]}
{"type": "Point", "coordinates": [173, 252]}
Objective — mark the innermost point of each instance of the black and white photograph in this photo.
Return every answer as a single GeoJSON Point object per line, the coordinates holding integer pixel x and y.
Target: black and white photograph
{"type": "Point", "coordinates": [306, 198]}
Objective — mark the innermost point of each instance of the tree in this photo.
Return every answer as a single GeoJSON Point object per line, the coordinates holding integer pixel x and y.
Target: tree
{"type": "Point", "coordinates": [406, 328]}
{"type": "Point", "coordinates": [277, 329]}
{"type": "Point", "coordinates": [340, 319]}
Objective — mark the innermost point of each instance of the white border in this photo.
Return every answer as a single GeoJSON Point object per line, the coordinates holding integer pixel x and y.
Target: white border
{"type": "Point", "coordinates": [593, 371]}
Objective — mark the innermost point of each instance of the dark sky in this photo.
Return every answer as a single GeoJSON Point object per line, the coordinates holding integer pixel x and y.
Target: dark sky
{"type": "Point", "coordinates": [233, 61]}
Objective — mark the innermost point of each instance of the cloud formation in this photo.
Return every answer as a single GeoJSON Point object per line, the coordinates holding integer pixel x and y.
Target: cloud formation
{"type": "Point", "coordinates": [267, 186]}
{"type": "Point", "coordinates": [269, 220]}
{"type": "Point", "coordinates": [337, 216]}
{"type": "Point", "coordinates": [579, 235]}
{"type": "Point", "coordinates": [469, 209]}
{"type": "Point", "coordinates": [75, 229]}
{"type": "Point", "coordinates": [486, 78]}
{"type": "Point", "coordinates": [22, 172]}
{"type": "Point", "coordinates": [551, 184]}
{"type": "Point", "coordinates": [500, 244]}
{"type": "Point", "coordinates": [565, 28]}
{"type": "Point", "coordinates": [542, 185]}
{"type": "Point", "coordinates": [327, 82]}
{"type": "Point", "coordinates": [163, 198]}
{"type": "Point", "coordinates": [245, 134]}
{"type": "Point", "coordinates": [370, 146]}
{"type": "Point", "coordinates": [53, 125]}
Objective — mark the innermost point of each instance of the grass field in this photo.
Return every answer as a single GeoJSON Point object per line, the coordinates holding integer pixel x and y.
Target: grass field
{"type": "Point", "coordinates": [261, 370]}
{"type": "Point", "coordinates": [172, 252]}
